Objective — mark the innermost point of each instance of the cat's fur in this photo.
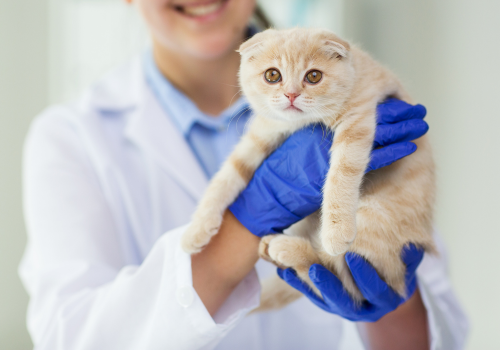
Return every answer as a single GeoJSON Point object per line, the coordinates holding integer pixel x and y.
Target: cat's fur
{"type": "Point", "coordinates": [374, 215]}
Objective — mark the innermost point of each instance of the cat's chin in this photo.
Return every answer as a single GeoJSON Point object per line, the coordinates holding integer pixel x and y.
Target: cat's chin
{"type": "Point", "coordinates": [295, 117]}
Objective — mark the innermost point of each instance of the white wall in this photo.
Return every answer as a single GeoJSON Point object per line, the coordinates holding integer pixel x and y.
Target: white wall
{"type": "Point", "coordinates": [23, 93]}
{"type": "Point", "coordinates": [86, 39]}
{"type": "Point", "coordinates": [305, 13]}
{"type": "Point", "coordinates": [447, 52]}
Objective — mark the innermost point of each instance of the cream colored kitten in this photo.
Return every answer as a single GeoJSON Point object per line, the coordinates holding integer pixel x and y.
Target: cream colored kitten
{"type": "Point", "coordinates": [296, 77]}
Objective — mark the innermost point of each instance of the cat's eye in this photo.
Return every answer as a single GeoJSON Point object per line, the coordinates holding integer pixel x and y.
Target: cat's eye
{"type": "Point", "coordinates": [272, 75]}
{"type": "Point", "coordinates": [313, 77]}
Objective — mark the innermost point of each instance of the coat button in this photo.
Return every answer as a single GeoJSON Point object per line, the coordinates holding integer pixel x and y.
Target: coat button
{"type": "Point", "coordinates": [185, 296]}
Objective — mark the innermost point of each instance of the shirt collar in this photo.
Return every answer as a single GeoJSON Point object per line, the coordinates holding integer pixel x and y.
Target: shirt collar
{"type": "Point", "coordinates": [179, 107]}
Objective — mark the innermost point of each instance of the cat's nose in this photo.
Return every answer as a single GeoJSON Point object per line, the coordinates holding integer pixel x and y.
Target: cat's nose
{"type": "Point", "coordinates": [291, 96]}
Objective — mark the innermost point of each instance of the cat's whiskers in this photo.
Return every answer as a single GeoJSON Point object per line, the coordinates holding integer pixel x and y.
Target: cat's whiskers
{"type": "Point", "coordinates": [231, 101]}
{"type": "Point", "coordinates": [239, 114]}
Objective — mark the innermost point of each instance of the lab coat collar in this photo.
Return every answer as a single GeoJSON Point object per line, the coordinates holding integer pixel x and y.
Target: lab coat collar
{"type": "Point", "coordinates": [184, 112]}
{"type": "Point", "coordinates": [119, 90]}
{"type": "Point", "coordinates": [125, 92]}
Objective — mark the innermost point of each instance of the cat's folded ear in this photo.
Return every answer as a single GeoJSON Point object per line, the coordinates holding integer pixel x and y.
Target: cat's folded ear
{"type": "Point", "coordinates": [253, 45]}
{"type": "Point", "coordinates": [335, 47]}
{"type": "Point", "coordinates": [249, 48]}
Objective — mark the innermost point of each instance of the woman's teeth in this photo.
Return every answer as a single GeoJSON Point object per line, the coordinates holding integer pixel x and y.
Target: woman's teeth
{"type": "Point", "coordinates": [202, 10]}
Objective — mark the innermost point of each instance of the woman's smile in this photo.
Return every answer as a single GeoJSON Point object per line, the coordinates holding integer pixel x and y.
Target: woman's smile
{"type": "Point", "coordinates": [201, 11]}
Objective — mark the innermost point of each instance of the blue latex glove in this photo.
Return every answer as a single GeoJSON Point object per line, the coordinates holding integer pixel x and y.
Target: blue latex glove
{"type": "Point", "coordinates": [287, 186]}
{"type": "Point", "coordinates": [380, 298]}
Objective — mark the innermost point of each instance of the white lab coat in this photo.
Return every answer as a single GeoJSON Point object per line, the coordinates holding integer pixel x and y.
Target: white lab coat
{"type": "Point", "coordinates": [109, 183]}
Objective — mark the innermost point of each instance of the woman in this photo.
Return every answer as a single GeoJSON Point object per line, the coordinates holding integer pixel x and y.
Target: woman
{"type": "Point", "coordinates": [111, 179]}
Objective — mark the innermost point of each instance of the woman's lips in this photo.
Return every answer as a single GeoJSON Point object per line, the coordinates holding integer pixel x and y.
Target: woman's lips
{"type": "Point", "coordinates": [200, 9]}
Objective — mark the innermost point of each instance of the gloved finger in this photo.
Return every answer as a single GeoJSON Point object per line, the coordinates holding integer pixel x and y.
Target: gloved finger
{"type": "Point", "coordinates": [369, 283]}
{"type": "Point", "coordinates": [412, 256]}
{"type": "Point", "coordinates": [407, 130]}
{"type": "Point", "coordinates": [331, 288]}
{"type": "Point", "coordinates": [382, 157]}
{"type": "Point", "coordinates": [411, 286]}
{"type": "Point", "coordinates": [394, 110]}
{"type": "Point", "coordinates": [290, 277]}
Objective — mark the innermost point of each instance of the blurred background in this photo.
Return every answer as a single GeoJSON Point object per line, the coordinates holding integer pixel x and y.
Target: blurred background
{"type": "Point", "coordinates": [446, 52]}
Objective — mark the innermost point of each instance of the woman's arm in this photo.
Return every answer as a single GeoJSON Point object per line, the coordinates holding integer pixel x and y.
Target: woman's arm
{"type": "Point", "coordinates": [430, 318]}
{"type": "Point", "coordinates": [404, 328]}
{"type": "Point", "coordinates": [85, 291]}
{"type": "Point", "coordinates": [224, 262]}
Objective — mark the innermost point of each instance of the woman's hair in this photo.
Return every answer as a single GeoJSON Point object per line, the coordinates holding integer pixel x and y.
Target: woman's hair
{"type": "Point", "coordinates": [262, 21]}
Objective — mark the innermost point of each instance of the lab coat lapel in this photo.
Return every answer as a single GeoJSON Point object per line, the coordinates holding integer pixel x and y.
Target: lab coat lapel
{"type": "Point", "coordinates": [155, 133]}
{"type": "Point", "coordinates": [125, 92]}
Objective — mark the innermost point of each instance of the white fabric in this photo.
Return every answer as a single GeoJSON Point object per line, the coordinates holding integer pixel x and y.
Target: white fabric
{"type": "Point", "coordinates": [109, 183]}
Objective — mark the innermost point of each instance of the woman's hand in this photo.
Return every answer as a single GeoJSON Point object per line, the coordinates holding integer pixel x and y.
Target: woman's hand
{"type": "Point", "coordinates": [393, 322]}
{"type": "Point", "coordinates": [380, 298]}
{"type": "Point", "coordinates": [287, 187]}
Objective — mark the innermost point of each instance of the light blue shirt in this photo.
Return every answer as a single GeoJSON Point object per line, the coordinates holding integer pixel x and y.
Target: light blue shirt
{"type": "Point", "coordinates": [211, 138]}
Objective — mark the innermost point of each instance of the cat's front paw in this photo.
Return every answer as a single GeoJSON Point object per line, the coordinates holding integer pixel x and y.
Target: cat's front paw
{"type": "Point", "coordinates": [264, 247]}
{"type": "Point", "coordinates": [285, 251]}
{"type": "Point", "coordinates": [199, 233]}
{"type": "Point", "coordinates": [336, 239]}
{"type": "Point", "coordinates": [290, 252]}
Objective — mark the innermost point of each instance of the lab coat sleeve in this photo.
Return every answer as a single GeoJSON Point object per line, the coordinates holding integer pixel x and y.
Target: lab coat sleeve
{"type": "Point", "coordinates": [83, 293]}
{"type": "Point", "coordinates": [448, 325]}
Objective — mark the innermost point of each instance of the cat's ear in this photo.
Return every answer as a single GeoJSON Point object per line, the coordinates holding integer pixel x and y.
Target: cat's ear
{"type": "Point", "coordinates": [253, 45]}
{"type": "Point", "coordinates": [337, 48]}
{"type": "Point", "coordinates": [249, 48]}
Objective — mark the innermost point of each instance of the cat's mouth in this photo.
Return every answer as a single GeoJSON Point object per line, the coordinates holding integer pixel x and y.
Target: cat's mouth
{"type": "Point", "coordinates": [200, 9]}
{"type": "Point", "coordinates": [293, 108]}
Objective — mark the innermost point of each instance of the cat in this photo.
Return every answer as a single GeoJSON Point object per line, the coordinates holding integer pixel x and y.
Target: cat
{"type": "Point", "coordinates": [293, 78]}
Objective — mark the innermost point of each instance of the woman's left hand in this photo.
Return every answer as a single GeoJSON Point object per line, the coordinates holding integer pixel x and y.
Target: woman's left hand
{"type": "Point", "coordinates": [380, 298]}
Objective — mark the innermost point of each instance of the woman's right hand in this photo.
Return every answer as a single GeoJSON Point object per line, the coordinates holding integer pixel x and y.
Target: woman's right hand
{"type": "Point", "coordinates": [287, 187]}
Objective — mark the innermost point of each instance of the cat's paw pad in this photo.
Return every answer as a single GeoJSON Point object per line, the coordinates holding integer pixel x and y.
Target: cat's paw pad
{"type": "Point", "coordinates": [199, 233]}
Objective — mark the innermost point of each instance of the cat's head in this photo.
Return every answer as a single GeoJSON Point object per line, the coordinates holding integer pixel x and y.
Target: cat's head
{"type": "Point", "coordinates": [297, 74]}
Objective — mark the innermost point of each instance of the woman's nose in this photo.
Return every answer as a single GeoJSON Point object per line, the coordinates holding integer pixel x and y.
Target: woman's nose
{"type": "Point", "coordinates": [291, 96]}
